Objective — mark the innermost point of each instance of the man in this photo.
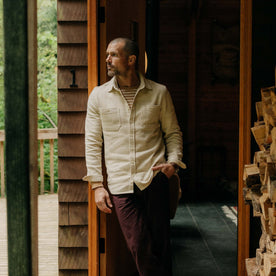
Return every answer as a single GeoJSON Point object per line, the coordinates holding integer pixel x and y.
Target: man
{"type": "Point", "coordinates": [134, 119]}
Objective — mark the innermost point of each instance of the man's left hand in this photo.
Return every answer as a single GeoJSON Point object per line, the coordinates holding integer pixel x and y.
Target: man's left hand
{"type": "Point", "coordinates": [166, 168]}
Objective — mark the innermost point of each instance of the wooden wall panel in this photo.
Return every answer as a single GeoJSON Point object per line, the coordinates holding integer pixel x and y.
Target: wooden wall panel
{"type": "Point", "coordinates": [73, 258]}
{"type": "Point", "coordinates": [72, 10]}
{"type": "Point", "coordinates": [71, 32]}
{"type": "Point", "coordinates": [72, 214]}
{"type": "Point", "coordinates": [72, 191]}
{"type": "Point", "coordinates": [71, 168]}
{"type": "Point", "coordinates": [63, 214]}
{"type": "Point", "coordinates": [217, 101]}
{"type": "Point", "coordinates": [73, 273]}
{"type": "Point", "coordinates": [71, 146]}
{"type": "Point", "coordinates": [72, 100]}
{"type": "Point", "coordinates": [74, 236]}
{"type": "Point", "coordinates": [72, 55]}
{"type": "Point", "coordinates": [71, 123]}
{"type": "Point", "coordinates": [78, 214]}
{"type": "Point", "coordinates": [213, 100]}
{"type": "Point", "coordinates": [65, 77]}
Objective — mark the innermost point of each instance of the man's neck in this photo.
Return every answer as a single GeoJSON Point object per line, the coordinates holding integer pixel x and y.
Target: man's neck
{"type": "Point", "coordinates": [128, 81]}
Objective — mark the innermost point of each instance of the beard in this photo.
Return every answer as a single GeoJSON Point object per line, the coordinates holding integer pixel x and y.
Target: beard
{"type": "Point", "coordinates": [112, 71]}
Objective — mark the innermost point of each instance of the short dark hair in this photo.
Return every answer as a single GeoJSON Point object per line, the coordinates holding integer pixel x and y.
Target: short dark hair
{"type": "Point", "coordinates": [131, 47]}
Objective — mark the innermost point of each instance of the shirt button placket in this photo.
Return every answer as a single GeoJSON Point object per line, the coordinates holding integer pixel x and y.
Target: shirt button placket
{"type": "Point", "coordinates": [132, 144]}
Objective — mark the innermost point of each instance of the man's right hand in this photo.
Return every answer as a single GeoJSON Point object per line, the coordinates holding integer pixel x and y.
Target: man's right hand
{"type": "Point", "coordinates": [102, 200]}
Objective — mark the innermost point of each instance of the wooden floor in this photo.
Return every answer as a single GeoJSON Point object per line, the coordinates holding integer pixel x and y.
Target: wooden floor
{"type": "Point", "coordinates": [48, 236]}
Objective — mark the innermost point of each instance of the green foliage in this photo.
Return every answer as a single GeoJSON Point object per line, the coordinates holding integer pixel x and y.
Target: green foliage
{"type": "Point", "coordinates": [46, 77]}
{"type": "Point", "coordinates": [47, 62]}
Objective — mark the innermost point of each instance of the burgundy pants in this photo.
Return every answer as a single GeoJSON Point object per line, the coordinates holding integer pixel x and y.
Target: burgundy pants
{"type": "Point", "coordinates": [145, 223]}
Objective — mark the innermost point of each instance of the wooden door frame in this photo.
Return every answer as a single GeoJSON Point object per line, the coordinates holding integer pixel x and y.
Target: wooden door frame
{"type": "Point", "coordinates": [93, 216]}
{"type": "Point", "coordinates": [244, 129]}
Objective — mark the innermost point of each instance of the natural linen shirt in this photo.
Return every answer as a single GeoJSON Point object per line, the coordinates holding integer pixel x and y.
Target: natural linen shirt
{"type": "Point", "coordinates": [135, 139]}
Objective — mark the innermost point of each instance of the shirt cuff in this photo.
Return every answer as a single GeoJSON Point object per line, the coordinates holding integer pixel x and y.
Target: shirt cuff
{"type": "Point", "coordinates": [179, 163]}
{"type": "Point", "coordinates": [95, 185]}
{"type": "Point", "coordinates": [91, 178]}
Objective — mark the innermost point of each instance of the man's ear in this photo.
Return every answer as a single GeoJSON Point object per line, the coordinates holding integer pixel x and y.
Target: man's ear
{"type": "Point", "coordinates": [132, 60]}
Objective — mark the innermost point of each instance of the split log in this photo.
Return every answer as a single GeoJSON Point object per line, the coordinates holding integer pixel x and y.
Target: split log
{"type": "Point", "coordinates": [273, 144]}
{"type": "Point", "coordinates": [256, 204]}
{"type": "Point", "coordinates": [272, 223]}
{"type": "Point", "coordinates": [260, 184]}
{"type": "Point", "coordinates": [259, 257]}
{"type": "Point", "coordinates": [251, 176]}
{"type": "Point", "coordinates": [265, 203]}
{"type": "Point", "coordinates": [251, 267]}
{"type": "Point", "coordinates": [265, 226]}
{"type": "Point", "coordinates": [262, 159]}
{"type": "Point", "coordinates": [259, 111]}
{"type": "Point", "coordinates": [270, 245]}
{"type": "Point", "coordinates": [260, 133]}
{"type": "Point", "coordinates": [261, 271]}
{"type": "Point", "coordinates": [270, 264]}
{"type": "Point", "coordinates": [271, 188]}
{"type": "Point", "coordinates": [247, 195]}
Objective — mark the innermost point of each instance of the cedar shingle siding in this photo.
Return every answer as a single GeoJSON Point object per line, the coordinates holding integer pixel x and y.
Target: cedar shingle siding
{"type": "Point", "coordinates": [72, 99]}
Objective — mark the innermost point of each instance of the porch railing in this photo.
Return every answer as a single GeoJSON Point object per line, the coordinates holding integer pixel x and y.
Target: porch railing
{"type": "Point", "coordinates": [43, 135]}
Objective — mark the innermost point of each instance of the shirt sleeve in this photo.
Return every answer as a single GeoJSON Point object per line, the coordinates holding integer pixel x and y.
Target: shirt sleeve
{"type": "Point", "coordinates": [93, 140]}
{"type": "Point", "coordinates": [172, 133]}
{"type": "Point", "coordinates": [95, 185]}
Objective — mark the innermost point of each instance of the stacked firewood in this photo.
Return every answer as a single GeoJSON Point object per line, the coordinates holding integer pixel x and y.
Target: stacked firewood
{"type": "Point", "coordinates": [260, 184]}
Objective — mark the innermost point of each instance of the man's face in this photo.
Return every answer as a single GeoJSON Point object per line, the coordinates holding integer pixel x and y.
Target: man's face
{"type": "Point", "coordinates": [116, 59]}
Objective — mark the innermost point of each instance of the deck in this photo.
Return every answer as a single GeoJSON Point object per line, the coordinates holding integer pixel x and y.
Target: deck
{"type": "Point", "coordinates": [47, 237]}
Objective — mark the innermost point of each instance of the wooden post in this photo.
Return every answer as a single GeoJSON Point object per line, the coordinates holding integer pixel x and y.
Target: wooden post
{"type": "Point", "coordinates": [244, 129]}
{"type": "Point", "coordinates": [2, 169]}
{"type": "Point", "coordinates": [20, 131]}
{"type": "Point", "coordinates": [42, 186]}
{"type": "Point", "coordinates": [52, 180]}
{"type": "Point", "coordinates": [93, 216]}
{"type": "Point", "coordinates": [32, 109]}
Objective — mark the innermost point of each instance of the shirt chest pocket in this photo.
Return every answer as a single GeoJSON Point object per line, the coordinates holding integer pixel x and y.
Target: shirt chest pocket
{"type": "Point", "coordinates": [110, 119]}
{"type": "Point", "coordinates": [150, 115]}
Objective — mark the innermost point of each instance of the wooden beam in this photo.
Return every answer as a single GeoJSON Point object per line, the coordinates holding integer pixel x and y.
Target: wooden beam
{"type": "Point", "coordinates": [33, 143]}
{"type": "Point", "coordinates": [21, 135]}
{"type": "Point", "coordinates": [244, 129]}
{"type": "Point", "coordinates": [32, 110]}
{"type": "Point", "coordinates": [2, 166]}
{"type": "Point", "coordinates": [47, 133]}
{"type": "Point", "coordinates": [93, 216]}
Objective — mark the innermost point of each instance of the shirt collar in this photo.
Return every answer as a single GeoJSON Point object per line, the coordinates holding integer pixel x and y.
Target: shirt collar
{"type": "Point", "coordinates": [144, 83]}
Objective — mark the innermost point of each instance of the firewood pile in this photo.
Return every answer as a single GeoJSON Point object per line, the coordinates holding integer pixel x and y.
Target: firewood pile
{"type": "Point", "coordinates": [260, 184]}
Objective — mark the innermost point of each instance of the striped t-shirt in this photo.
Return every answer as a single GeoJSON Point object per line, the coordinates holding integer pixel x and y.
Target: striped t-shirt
{"type": "Point", "coordinates": [129, 94]}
